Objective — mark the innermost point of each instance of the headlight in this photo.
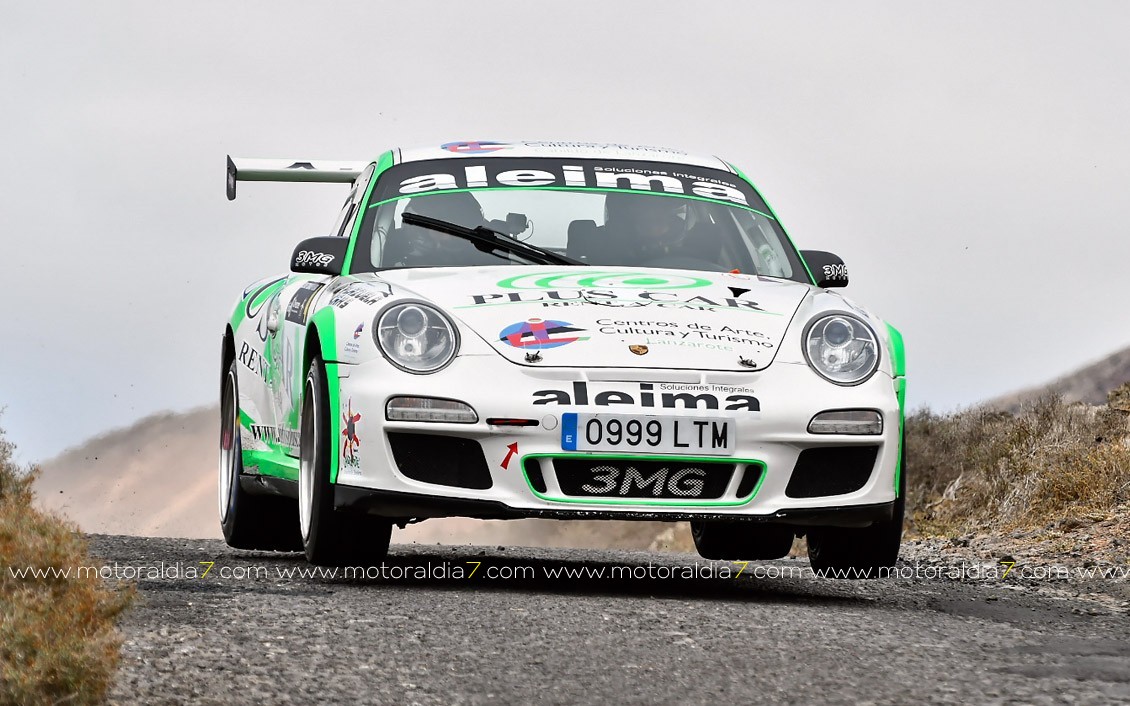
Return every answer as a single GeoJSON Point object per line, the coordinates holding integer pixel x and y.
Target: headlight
{"type": "Point", "coordinates": [415, 337]}
{"type": "Point", "coordinates": [842, 349]}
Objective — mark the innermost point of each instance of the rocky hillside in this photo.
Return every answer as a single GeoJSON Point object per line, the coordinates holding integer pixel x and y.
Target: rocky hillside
{"type": "Point", "coordinates": [1090, 384]}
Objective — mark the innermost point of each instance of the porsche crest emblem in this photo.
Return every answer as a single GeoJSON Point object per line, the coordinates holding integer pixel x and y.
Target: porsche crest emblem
{"type": "Point", "coordinates": [638, 350]}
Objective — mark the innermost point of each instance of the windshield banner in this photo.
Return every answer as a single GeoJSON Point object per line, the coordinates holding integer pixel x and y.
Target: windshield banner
{"type": "Point", "coordinates": [436, 176]}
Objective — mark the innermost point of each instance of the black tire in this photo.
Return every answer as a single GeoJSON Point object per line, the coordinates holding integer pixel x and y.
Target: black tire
{"type": "Point", "coordinates": [330, 537]}
{"type": "Point", "coordinates": [741, 540]}
{"type": "Point", "coordinates": [248, 521]}
{"type": "Point", "coordinates": [860, 552]}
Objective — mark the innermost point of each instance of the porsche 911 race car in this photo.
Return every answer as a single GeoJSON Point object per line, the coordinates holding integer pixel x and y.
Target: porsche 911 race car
{"type": "Point", "coordinates": [557, 330]}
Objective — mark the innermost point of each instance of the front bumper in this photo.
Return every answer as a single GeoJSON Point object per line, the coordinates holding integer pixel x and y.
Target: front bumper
{"type": "Point", "coordinates": [414, 506]}
{"type": "Point", "coordinates": [773, 438]}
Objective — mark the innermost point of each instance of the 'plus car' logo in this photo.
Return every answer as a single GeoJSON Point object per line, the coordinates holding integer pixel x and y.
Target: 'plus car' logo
{"type": "Point", "coordinates": [476, 147]}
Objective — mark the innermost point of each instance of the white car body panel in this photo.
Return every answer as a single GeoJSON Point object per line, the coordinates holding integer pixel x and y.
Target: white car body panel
{"type": "Point", "coordinates": [497, 381]}
{"type": "Point", "coordinates": [539, 341]}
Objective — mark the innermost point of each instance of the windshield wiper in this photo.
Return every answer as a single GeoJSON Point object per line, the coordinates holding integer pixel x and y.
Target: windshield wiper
{"type": "Point", "coordinates": [488, 240]}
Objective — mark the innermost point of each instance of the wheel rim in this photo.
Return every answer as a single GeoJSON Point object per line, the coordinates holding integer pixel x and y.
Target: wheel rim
{"type": "Point", "coordinates": [308, 442]}
{"type": "Point", "coordinates": [229, 447]}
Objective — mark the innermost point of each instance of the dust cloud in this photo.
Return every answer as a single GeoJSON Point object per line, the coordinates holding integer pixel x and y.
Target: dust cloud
{"type": "Point", "coordinates": [157, 478]}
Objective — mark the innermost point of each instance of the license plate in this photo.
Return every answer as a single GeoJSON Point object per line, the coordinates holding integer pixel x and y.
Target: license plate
{"type": "Point", "coordinates": [704, 436]}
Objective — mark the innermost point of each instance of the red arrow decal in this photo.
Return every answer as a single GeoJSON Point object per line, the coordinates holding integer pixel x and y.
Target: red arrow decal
{"type": "Point", "coordinates": [513, 450]}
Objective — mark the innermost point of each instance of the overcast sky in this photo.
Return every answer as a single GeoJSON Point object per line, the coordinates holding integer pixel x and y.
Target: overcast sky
{"type": "Point", "coordinates": [969, 161]}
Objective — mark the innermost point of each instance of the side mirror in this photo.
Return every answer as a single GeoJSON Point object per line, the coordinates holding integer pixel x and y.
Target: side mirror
{"type": "Point", "coordinates": [828, 269]}
{"type": "Point", "coordinates": [324, 255]}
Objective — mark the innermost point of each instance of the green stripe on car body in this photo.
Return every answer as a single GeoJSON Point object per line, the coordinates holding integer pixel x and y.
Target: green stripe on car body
{"type": "Point", "coordinates": [545, 280]}
{"type": "Point", "coordinates": [898, 352]}
{"type": "Point", "coordinates": [333, 382]}
{"type": "Point", "coordinates": [323, 323]}
{"type": "Point", "coordinates": [271, 463]}
{"type": "Point", "coordinates": [898, 372]}
{"type": "Point", "coordinates": [900, 392]}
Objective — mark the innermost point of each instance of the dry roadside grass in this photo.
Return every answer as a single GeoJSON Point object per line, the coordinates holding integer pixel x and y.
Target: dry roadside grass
{"type": "Point", "coordinates": [1043, 473]}
{"type": "Point", "coordinates": [57, 638]}
{"type": "Point", "coordinates": [1050, 464]}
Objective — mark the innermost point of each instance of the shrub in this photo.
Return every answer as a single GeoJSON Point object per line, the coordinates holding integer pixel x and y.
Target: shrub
{"type": "Point", "coordinates": [57, 637]}
{"type": "Point", "coordinates": [982, 468]}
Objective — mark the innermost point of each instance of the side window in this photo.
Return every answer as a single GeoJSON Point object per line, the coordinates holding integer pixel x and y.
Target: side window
{"type": "Point", "coordinates": [344, 224]}
{"type": "Point", "coordinates": [347, 223]}
{"type": "Point", "coordinates": [381, 221]}
{"type": "Point", "coordinates": [769, 256]}
{"type": "Point", "coordinates": [344, 216]}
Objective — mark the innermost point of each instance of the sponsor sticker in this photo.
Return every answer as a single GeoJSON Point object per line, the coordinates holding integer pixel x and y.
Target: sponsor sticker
{"type": "Point", "coordinates": [613, 289]}
{"type": "Point", "coordinates": [838, 271]}
{"type": "Point", "coordinates": [352, 348]}
{"type": "Point", "coordinates": [670, 332]}
{"type": "Point", "coordinates": [474, 147]}
{"type": "Point", "coordinates": [299, 308]}
{"type": "Point", "coordinates": [254, 361]}
{"type": "Point", "coordinates": [539, 334]}
{"type": "Point", "coordinates": [352, 443]}
{"type": "Point", "coordinates": [654, 396]}
{"type": "Point", "coordinates": [312, 258]}
{"type": "Point", "coordinates": [511, 450]}
{"type": "Point", "coordinates": [499, 169]}
{"type": "Point", "coordinates": [363, 292]}
{"type": "Point", "coordinates": [278, 436]}
{"type": "Point", "coordinates": [666, 179]}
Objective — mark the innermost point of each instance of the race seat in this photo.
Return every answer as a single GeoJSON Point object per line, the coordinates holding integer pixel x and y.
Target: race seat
{"type": "Point", "coordinates": [584, 241]}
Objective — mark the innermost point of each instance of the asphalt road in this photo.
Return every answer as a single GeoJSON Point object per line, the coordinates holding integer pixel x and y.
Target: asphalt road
{"type": "Point", "coordinates": [249, 633]}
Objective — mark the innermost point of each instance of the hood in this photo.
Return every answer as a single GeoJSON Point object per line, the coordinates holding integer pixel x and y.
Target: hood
{"type": "Point", "coordinates": [615, 317]}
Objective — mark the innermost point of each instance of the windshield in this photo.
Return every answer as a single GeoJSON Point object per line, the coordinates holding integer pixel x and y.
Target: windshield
{"type": "Point", "coordinates": [621, 213]}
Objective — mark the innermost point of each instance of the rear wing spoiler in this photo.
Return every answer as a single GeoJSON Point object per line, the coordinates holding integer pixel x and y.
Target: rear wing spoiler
{"type": "Point", "coordinates": [240, 169]}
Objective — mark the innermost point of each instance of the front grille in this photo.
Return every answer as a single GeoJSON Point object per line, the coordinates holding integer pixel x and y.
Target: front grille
{"type": "Point", "coordinates": [443, 460]}
{"type": "Point", "coordinates": [533, 472]}
{"type": "Point", "coordinates": [834, 470]}
{"type": "Point", "coordinates": [631, 478]}
{"type": "Point", "coordinates": [750, 477]}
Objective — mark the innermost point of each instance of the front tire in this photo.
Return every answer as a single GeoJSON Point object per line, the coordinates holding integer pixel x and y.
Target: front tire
{"type": "Point", "coordinates": [860, 552]}
{"type": "Point", "coordinates": [738, 541]}
{"type": "Point", "coordinates": [330, 537]}
{"type": "Point", "coordinates": [248, 521]}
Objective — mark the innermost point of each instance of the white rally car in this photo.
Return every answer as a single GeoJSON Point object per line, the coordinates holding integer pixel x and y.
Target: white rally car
{"type": "Point", "coordinates": [558, 330]}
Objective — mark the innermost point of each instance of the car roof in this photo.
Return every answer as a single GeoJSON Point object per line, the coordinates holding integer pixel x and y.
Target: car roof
{"type": "Point", "coordinates": [556, 148]}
